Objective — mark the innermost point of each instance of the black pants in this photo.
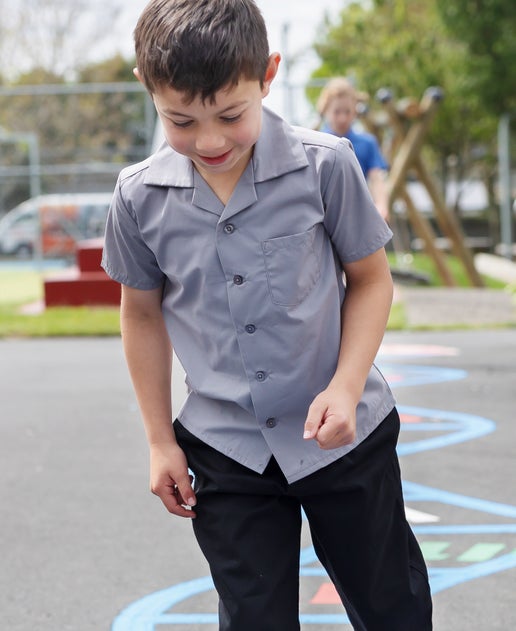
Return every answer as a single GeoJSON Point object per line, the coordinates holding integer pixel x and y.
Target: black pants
{"type": "Point", "coordinates": [249, 526]}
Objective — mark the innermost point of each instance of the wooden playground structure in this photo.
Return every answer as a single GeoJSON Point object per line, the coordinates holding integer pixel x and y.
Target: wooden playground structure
{"type": "Point", "coordinates": [409, 121]}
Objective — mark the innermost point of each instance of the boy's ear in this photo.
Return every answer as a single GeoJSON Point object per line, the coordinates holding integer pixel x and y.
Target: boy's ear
{"type": "Point", "coordinates": [270, 73]}
{"type": "Point", "coordinates": [137, 74]}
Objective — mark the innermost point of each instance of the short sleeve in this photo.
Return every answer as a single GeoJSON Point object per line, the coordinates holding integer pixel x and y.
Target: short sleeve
{"type": "Point", "coordinates": [352, 221]}
{"type": "Point", "coordinates": [126, 258]}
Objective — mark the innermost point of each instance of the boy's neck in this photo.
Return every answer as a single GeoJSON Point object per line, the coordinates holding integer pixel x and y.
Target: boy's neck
{"type": "Point", "coordinates": [223, 184]}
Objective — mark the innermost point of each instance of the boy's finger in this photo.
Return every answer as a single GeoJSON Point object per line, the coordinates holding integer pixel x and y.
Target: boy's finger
{"type": "Point", "coordinates": [185, 493]}
{"type": "Point", "coordinates": [313, 421]}
{"type": "Point", "coordinates": [174, 504]}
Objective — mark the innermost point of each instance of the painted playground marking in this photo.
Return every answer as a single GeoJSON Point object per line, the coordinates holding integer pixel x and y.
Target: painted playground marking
{"type": "Point", "coordinates": [419, 517]}
{"type": "Point", "coordinates": [452, 552]}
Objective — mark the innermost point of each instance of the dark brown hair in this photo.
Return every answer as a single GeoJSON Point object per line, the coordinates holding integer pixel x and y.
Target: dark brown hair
{"type": "Point", "coordinates": [200, 46]}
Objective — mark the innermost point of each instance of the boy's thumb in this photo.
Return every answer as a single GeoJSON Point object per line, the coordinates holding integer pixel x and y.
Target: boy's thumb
{"type": "Point", "coordinates": [311, 427]}
{"type": "Point", "coordinates": [314, 419]}
{"type": "Point", "coordinates": [186, 491]}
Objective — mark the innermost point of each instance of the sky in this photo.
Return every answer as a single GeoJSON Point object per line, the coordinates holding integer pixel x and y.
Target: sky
{"type": "Point", "coordinates": [302, 16]}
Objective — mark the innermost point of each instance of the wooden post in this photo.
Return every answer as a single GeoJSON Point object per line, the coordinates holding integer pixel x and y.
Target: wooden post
{"type": "Point", "coordinates": [410, 122]}
{"type": "Point", "coordinates": [449, 225]}
{"type": "Point", "coordinates": [424, 230]}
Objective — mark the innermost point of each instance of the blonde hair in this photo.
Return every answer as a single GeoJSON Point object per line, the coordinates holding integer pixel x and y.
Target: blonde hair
{"type": "Point", "coordinates": [337, 87]}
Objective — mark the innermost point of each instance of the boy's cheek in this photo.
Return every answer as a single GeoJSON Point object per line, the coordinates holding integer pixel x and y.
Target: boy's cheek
{"type": "Point", "coordinates": [175, 142]}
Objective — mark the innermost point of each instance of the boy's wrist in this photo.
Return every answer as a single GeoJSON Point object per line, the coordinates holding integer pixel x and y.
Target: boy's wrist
{"type": "Point", "coordinates": [162, 436]}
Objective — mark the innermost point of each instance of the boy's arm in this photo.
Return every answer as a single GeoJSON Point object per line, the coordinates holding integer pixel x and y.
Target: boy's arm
{"type": "Point", "coordinates": [149, 358]}
{"type": "Point", "coordinates": [331, 418]}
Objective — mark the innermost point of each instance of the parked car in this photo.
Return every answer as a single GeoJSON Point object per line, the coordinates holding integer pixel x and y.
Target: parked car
{"type": "Point", "coordinates": [52, 224]}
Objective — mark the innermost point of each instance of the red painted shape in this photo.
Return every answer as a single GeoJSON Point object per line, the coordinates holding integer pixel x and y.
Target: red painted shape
{"type": "Point", "coordinates": [84, 284]}
{"type": "Point", "coordinates": [410, 418]}
{"type": "Point", "coordinates": [326, 595]}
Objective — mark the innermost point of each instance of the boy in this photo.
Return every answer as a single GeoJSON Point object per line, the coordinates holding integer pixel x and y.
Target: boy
{"type": "Point", "coordinates": [230, 243]}
{"type": "Point", "coordinates": [337, 106]}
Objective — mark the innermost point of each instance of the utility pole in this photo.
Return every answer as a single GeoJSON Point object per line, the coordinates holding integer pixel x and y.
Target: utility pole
{"type": "Point", "coordinates": [504, 177]}
{"type": "Point", "coordinates": [287, 65]}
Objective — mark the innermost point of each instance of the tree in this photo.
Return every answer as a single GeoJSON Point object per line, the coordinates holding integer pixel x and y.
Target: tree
{"type": "Point", "coordinates": [75, 129]}
{"type": "Point", "coordinates": [488, 30]}
{"type": "Point", "coordinates": [46, 42]}
{"type": "Point", "coordinates": [57, 36]}
{"type": "Point", "coordinates": [404, 45]}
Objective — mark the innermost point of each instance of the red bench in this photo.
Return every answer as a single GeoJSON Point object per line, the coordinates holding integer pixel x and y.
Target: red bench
{"type": "Point", "coordinates": [86, 283]}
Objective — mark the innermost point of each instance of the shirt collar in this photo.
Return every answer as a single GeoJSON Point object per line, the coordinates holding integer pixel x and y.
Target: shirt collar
{"type": "Point", "coordinates": [277, 151]}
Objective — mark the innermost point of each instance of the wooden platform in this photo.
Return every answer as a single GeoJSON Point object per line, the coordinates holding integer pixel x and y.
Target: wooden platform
{"type": "Point", "coordinates": [86, 283]}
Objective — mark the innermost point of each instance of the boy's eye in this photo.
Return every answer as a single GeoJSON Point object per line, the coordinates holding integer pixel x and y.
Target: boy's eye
{"type": "Point", "coordinates": [231, 119]}
{"type": "Point", "coordinates": [182, 125]}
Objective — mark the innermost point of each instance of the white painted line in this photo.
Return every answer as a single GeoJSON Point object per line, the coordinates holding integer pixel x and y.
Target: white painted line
{"type": "Point", "coordinates": [418, 517]}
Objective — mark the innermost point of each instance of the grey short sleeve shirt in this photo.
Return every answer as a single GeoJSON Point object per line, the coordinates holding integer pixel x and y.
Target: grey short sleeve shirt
{"type": "Point", "coordinates": [252, 291]}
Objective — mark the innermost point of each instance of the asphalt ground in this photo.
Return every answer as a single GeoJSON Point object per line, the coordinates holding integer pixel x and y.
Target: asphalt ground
{"type": "Point", "coordinates": [85, 547]}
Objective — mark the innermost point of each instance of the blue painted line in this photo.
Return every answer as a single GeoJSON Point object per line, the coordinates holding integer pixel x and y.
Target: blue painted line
{"type": "Point", "coordinates": [420, 375]}
{"type": "Point", "coordinates": [154, 609]}
{"type": "Point", "coordinates": [441, 579]}
{"type": "Point", "coordinates": [308, 555]}
{"type": "Point", "coordinates": [142, 614]}
{"type": "Point", "coordinates": [430, 427]}
{"type": "Point", "coordinates": [312, 571]}
{"type": "Point", "coordinates": [187, 618]}
{"type": "Point", "coordinates": [470, 427]}
{"type": "Point", "coordinates": [418, 492]}
{"type": "Point", "coordinates": [146, 619]}
{"type": "Point", "coordinates": [465, 529]}
{"type": "Point", "coordinates": [323, 618]}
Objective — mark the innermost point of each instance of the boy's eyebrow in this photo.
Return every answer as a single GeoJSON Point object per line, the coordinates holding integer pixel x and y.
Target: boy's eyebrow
{"type": "Point", "coordinates": [169, 112]}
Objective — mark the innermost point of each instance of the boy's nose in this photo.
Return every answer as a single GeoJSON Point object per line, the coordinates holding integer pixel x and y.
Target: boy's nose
{"type": "Point", "coordinates": [209, 142]}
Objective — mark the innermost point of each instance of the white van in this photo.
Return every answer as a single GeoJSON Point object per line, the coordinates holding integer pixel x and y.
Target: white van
{"type": "Point", "coordinates": [52, 224]}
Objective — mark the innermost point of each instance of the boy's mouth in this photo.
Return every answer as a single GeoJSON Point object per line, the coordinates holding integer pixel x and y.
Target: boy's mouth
{"type": "Point", "coordinates": [213, 161]}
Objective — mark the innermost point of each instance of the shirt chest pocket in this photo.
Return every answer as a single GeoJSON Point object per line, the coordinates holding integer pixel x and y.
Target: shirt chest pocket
{"type": "Point", "coordinates": [292, 267]}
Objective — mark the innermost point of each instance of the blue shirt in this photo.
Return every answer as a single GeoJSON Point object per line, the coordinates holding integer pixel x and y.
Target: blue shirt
{"type": "Point", "coordinates": [366, 149]}
{"type": "Point", "coordinates": [252, 291]}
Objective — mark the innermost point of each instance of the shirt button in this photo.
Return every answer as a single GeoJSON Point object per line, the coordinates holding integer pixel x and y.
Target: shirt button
{"type": "Point", "coordinates": [229, 228]}
{"type": "Point", "coordinates": [237, 279]}
{"type": "Point", "coordinates": [250, 328]}
{"type": "Point", "coordinates": [260, 376]}
{"type": "Point", "coordinates": [270, 422]}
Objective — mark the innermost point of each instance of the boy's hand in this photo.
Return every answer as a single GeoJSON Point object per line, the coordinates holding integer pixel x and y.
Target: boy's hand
{"type": "Point", "coordinates": [169, 479]}
{"type": "Point", "coordinates": [331, 419]}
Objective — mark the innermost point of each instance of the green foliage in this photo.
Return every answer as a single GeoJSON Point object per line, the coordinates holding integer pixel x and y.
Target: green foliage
{"type": "Point", "coordinates": [488, 30]}
{"type": "Point", "coordinates": [74, 128]}
{"type": "Point", "coordinates": [405, 46]}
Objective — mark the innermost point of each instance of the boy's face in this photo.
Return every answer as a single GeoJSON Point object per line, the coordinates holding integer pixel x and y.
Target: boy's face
{"type": "Point", "coordinates": [218, 137]}
{"type": "Point", "coordinates": [340, 113]}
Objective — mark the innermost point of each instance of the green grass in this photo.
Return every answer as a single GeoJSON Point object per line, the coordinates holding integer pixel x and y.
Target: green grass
{"type": "Point", "coordinates": [423, 264]}
{"type": "Point", "coordinates": [397, 318]}
{"type": "Point", "coordinates": [18, 289]}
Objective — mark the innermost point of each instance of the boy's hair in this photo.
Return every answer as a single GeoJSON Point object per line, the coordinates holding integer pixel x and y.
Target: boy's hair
{"type": "Point", "coordinates": [200, 46]}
